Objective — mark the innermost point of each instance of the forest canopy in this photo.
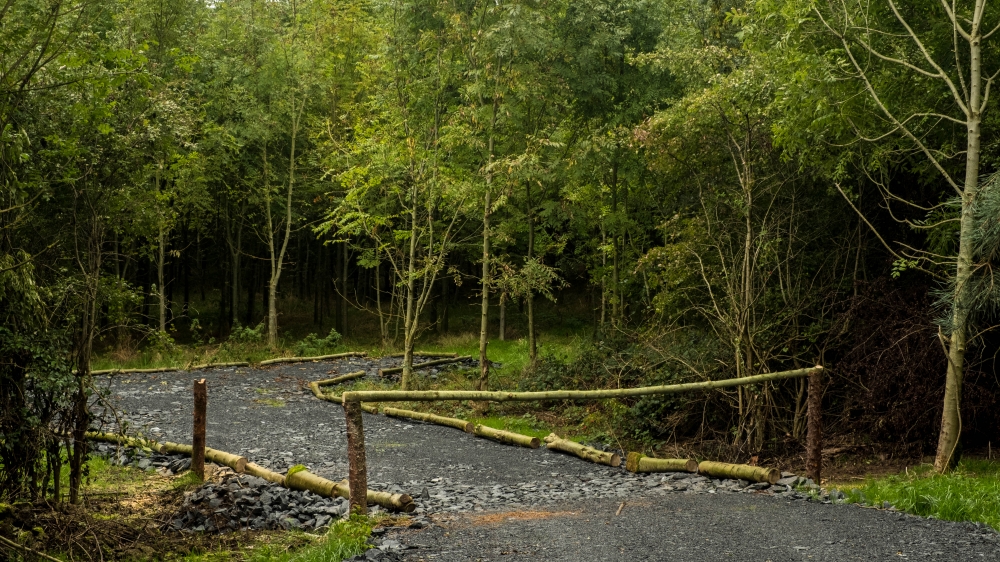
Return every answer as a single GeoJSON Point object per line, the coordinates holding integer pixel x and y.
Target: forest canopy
{"type": "Point", "coordinates": [703, 189]}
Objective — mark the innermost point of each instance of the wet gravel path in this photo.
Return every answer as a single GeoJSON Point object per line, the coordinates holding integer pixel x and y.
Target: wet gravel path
{"type": "Point", "coordinates": [464, 484]}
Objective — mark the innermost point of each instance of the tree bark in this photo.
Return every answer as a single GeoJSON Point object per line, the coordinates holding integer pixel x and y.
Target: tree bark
{"type": "Point", "coordinates": [198, 435]}
{"type": "Point", "coordinates": [357, 467]}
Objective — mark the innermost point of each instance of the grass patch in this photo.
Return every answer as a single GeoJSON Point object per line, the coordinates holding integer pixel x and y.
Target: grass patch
{"type": "Point", "coordinates": [969, 493]}
{"type": "Point", "coordinates": [525, 425]}
{"type": "Point", "coordinates": [273, 402]}
{"type": "Point", "coordinates": [186, 481]}
{"type": "Point", "coordinates": [345, 539]}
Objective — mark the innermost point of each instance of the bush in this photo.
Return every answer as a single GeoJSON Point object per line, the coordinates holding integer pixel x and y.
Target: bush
{"type": "Point", "coordinates": [616, 362]}
{"type": "Point", "coordinates": [313, 345]}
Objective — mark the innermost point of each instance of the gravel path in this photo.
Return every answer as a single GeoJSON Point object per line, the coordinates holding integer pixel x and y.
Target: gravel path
{"type": "Point", "coordinates": [563, 508]}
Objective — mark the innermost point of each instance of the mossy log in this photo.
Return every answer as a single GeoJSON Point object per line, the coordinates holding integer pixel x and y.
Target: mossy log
{"type": "Point", "coordinates": [425, 364]}
{"type": "Point", "coordinates": [254, 469]}
{"type": "Point", "coordinates": [637, 462]}
{"type": "Point", "coordinates": [316, 358]}
{"type": "Point", "coordinates": [124, 440]}
{"type": "Point", "coordinates": [503, 396]}
{"type": "Point", "coordinates": [507, 437]}
{"type": "Point", "coordinates": [127, 371]}
{"type": "Point", "coordinates": [425, 354]}
{"type": "Point", "coordinates": [305, 480]}
{"type": "Point", "coordinates": [586, 453]}
{"type": "Point", "coordinates": [340, 379]}
{"type": "Point", "coordinates": [739, 471]}
{"type": "Point", "coordinates": [465, 426]}
{"type": "Point", "coordinates": [212, 365]}
{"type": "Point", "coordinates": [236, 462]}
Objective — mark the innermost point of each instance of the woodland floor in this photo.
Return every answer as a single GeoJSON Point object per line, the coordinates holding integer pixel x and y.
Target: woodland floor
{"type": "Point", "coordinates": [490, 501]}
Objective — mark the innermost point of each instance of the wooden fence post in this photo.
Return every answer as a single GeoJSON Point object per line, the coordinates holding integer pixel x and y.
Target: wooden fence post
{"type": "Point", "coordinates": [357, 473]}
{"type": "Point", "coordinates": [814, 427]}
{"type": "Point", "coordinates": [198, 438]}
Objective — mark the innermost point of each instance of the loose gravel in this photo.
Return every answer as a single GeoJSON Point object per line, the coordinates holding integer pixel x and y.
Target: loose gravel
{"type": "Point", "coordinates": [269, 416]}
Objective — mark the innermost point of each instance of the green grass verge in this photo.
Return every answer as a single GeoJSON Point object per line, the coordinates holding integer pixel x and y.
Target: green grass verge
{"type": "Point", "coordinates": [970, 493]}
{"type": "Point", "coordinates": [346, 538]}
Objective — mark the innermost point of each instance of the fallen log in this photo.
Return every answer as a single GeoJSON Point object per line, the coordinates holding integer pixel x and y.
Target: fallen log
{"type": "Point", "coordinates": [739, 471]}
{"type": "Point", "coordinates": [305, 480]}
{"type": "Point", "coordinates": [591, 454]}
{"type": "Point", "coordinates": [254, 469]}
{"type": "Point", "coordinates": [393, 370]}
{"type": "Point", "coordinates": [340, 379]}
{"type": "Point", "coordinates": [126, 371]}
{"type": "Point", "coordinates": [296, 480]}
{"type": "Point", "coordinates": [637, 462]}
{"type": "Point", "coordinates": [211, 365]}
{"type": "Point", "coordinates": [505, 396]}
{"type": "Point", "coordinates": [124, 440]}
{"type": "Point", "coordinates": [316, 358]}
{"type": "Point", "coordinates": [236, 462]}
{"type": "Point", "coordinates": [371, 408]}
{"type": "Point", "coordinates": [430, 418]}
{"type": "Point", "coordinates": [507, 437]}
{"type": "Point", "coordinates": [338, 399]}
{"type": "Point", "coordinates": [425, 354]}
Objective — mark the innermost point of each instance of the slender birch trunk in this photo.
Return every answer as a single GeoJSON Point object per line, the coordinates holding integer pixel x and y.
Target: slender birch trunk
{"type": "Point", "coordinates": [484, 364]}
{"type": "Point", "coordinates": [409, 331]}
{"type": "Point", "coordinates": [161, 258]}
{"type": "Point", "coordinates": [530, 298]}
{"type": "Point", "coordinates": [951, 418]}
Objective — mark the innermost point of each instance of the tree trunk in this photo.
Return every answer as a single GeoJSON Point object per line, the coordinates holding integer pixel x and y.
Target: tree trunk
{"type": "Point", "coordinates": [503, 318]}
{"type": "Point", "coordinates": [343, 288]}
{"type": "Point", "coordinates": [444, 305]}
{"type": "Point", "coordinates": [161, 289]}
{"type": "Point", "coordinates": [615, 296]}
{"type": "Point", "coordinates": [409, 327]}
{"type": "Point", "coordinates": [951, 417]}
{"type": "Point", "coordinates": [530, 298]}
{"type": "Point", "coordinates": [484, 364]}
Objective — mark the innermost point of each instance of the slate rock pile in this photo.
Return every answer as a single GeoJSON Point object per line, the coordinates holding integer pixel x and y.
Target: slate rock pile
{"type": "Point", "coordinates": [242, 502]}
{"type": "Point", "coordinates": [144, 460]}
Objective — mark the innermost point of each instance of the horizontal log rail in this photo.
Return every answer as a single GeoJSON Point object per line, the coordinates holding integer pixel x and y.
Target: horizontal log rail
{"type": "Point", "coordinates": [353, 407]}
{"type": "Point", "coordinates": [488, 396]}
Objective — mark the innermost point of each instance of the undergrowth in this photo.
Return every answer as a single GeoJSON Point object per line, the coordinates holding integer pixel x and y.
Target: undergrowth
{"type": "Point", "coordinates": [969, 493]}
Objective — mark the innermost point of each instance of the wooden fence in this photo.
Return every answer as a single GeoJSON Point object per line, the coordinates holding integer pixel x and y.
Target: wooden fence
{"type": "Point", "coordinates": [358, 473]}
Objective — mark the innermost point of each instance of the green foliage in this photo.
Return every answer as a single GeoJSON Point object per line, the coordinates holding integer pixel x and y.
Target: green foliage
{"type": "Point", "coordinates": [967, 494]}
{"type": "Point", "coordinates": [312, 345]}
